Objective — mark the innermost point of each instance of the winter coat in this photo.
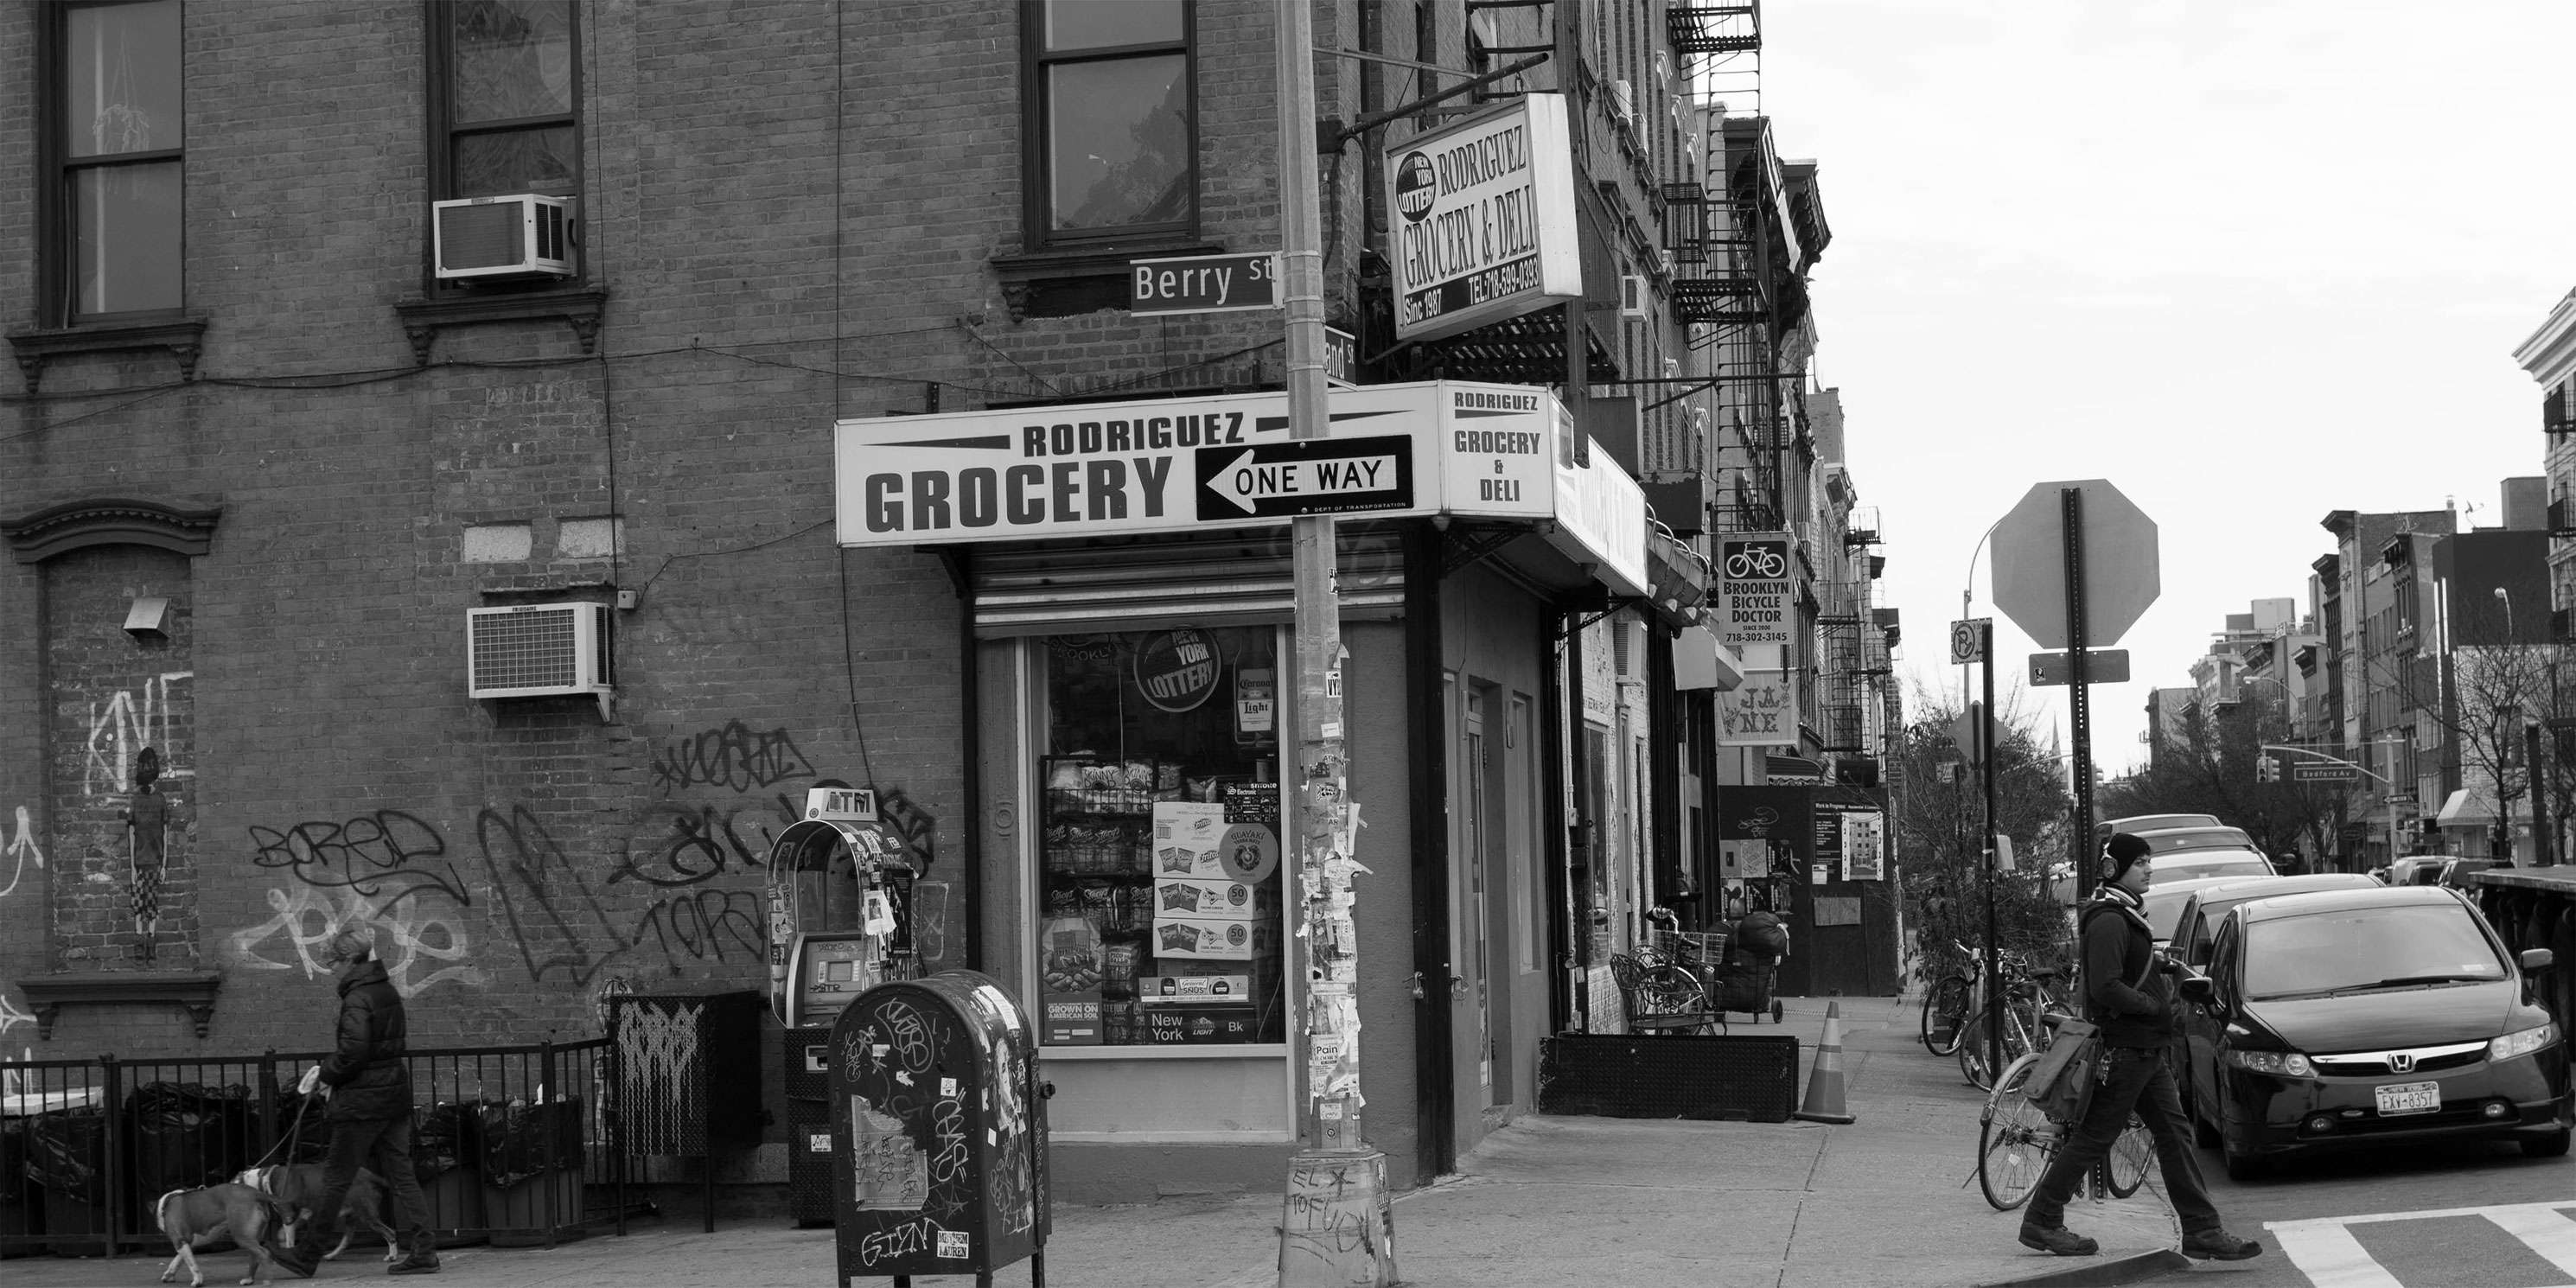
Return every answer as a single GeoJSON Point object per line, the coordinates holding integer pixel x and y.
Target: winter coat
{"type": "Point", "coordinates": [2131, 1001]}
{"type": "Point", "coordinates": [366, 1074]}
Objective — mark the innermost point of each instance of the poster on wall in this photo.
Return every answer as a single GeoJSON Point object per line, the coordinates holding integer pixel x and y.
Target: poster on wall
{"type": "Point", "coordinates": [1864, 845]}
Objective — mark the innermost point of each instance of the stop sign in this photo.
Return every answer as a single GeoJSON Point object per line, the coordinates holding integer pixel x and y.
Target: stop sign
{"type": "Point", "coordinates": [2120, 577]}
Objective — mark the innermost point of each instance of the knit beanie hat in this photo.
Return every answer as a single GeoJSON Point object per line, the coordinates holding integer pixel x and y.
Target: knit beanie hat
{"type": "Point", "coordinates": [2121, 853]}
{"type": "Point", "coordinates": [352, 943]}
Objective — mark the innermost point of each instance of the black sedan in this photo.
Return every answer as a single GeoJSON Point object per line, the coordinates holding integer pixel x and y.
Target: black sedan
{"type": "Point", "coordinates": [2350, 1017]}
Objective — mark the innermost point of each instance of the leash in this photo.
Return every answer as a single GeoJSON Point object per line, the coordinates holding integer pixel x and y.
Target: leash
{"type": "Point", "coordinates": [292, 1131]}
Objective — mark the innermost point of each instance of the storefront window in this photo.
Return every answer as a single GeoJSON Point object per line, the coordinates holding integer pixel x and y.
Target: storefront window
{"type": "Point", "coordinates": [1158, 862]}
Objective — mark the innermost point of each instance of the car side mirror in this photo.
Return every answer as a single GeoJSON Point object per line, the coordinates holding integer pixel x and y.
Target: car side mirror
{"type": "Point", "coordinates": [2537, 959]}
{"type": "Point", "coordinates": [2199, 988]}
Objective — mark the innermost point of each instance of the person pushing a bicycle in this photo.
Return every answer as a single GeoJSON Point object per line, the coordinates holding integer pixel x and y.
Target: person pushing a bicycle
{"type": "Point", "coordinates": [2130, 995]}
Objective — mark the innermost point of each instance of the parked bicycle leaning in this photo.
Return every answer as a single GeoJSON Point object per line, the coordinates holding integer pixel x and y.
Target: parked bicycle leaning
{"type": "Point", "coordinates": [2119, 946]}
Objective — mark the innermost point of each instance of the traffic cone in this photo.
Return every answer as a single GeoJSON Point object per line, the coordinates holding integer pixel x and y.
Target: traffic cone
{"type": "Point", "coordinates": [1825, 1083]}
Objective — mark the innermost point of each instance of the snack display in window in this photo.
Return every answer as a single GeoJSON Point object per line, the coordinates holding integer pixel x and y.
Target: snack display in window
{"type": "Point", "coordinates": [1157, 851]}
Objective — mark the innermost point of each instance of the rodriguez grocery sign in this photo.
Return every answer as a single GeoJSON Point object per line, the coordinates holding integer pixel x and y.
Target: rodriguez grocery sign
{"type": "Point", "coordinates": [1484, 226]}
{"type": "Point", "coordinates": [1185, 464]}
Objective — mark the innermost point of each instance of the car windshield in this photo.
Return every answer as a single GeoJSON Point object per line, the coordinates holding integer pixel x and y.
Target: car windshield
{"type": "Point", "coordinates": [2164, 909]}
{"type": "Point", "coordinates": [2328, 952]}
{"type": "Point", "coordinates": [2184, 869]}
{"type": "Point", "coordinates": [2200, 838]}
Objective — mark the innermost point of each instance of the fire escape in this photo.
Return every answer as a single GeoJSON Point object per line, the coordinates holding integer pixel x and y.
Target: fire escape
{"type": "Point", "coordinates": [1855, 657]}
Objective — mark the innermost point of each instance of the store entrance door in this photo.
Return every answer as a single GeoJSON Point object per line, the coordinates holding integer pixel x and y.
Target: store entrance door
{"type": "Point", "coordinates": [1479, 861]}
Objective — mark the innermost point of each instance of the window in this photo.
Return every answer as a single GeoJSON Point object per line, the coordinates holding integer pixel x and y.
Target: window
{"type": "Point", "coordinates": [1159, 910]}
{"type": "Point", "coordinates": [506, 101]}
{"type": "Point", "coordinates": [117, 154]}
{"type": "Point", "coordinates": [1112, 148]}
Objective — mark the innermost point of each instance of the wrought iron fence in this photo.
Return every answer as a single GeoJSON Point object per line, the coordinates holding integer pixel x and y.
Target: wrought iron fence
{"type": "Point", "coordinates": [505, 1140]}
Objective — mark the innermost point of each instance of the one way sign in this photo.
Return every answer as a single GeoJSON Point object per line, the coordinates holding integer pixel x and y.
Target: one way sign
{"type": "Point", "coordinates": [1306, 476]}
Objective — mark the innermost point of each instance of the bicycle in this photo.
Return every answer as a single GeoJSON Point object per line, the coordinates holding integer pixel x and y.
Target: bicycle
{"type": "Point", "coordinates": [2016, 1141]}
{"type": "Point", "coordinates": [2027, 999]}
{"type": "Point", "coordinates": [1949, 999]}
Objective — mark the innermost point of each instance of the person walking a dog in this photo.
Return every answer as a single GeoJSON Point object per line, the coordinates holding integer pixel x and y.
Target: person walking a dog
{"type": "Point", "coordinates": [367, 1084]}
{"type": "Point", "coordinates": [2129, 995]}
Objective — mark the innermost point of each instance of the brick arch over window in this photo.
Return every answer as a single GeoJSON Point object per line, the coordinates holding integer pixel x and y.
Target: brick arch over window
{"type": "Point", "coordinates": [111, 521]}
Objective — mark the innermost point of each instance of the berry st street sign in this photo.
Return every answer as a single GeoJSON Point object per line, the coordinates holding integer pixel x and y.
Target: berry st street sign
{"type": "Point", "coordinates": [1203, 284]}
{"type": "Point", "coordinates": [1308, 476]}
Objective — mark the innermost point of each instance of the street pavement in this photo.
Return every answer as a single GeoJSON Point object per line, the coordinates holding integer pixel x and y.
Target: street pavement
{"type": "Point", "coordinates": [1891, 1198]}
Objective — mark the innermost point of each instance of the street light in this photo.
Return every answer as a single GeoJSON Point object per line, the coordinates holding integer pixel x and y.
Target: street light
{"type": "Point", "coordinates": [2507, 601]}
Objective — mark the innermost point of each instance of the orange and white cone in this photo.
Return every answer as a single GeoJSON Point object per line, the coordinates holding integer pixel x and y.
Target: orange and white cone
{"type": "Point", "coordinates": [1825, 1082]}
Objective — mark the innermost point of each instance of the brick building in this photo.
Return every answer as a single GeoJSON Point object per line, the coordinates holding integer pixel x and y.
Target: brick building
{"type": "Point", "coordinates": [271, 456]}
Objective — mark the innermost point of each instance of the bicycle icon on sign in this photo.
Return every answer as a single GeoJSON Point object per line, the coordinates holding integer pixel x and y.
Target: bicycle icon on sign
{"type": "Point", "coordinates": [1763, 560]}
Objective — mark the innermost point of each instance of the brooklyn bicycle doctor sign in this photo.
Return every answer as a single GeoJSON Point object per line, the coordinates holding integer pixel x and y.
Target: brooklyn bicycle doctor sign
{"type": "Point", "coordinates": [1484, 219]}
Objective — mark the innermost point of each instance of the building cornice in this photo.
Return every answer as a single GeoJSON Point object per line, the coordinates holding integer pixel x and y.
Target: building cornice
{"type": "Point", "coordinates": [2550, 354]}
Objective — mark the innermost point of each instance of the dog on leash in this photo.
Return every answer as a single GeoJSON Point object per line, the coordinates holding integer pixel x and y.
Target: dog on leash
{"type": "Point", "coordinates": [191, 1217]}
{"type": "Point", "coordinates": [298, 1186]}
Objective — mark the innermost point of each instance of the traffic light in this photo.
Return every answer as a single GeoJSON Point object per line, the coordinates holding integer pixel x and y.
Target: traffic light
{"type": "Point", "coordinates": [2267, 769]}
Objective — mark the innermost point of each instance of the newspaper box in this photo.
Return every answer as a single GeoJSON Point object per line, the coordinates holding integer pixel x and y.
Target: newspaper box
{"type": "Point", "coordinates": [940, 1120]}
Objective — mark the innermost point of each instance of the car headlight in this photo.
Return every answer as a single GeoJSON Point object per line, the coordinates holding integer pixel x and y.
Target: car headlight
{"type": "Point", "coordinates": [2523, 1043]}
{"type": "Point", "coordinates": [2288, 1064]}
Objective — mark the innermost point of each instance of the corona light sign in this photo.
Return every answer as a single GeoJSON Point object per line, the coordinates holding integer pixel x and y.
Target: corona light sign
{"type": "Point", "coordinates": [1484, 219]}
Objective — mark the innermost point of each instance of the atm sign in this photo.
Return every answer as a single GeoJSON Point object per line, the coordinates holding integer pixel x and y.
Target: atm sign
{"type": "Point", "coordinates": [842, 804]}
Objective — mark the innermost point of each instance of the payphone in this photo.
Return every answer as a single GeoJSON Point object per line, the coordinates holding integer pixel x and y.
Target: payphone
{"type": "Point", "coordinates": [840, 902]}
{"type": "Point", "coordinates": [840, 923]}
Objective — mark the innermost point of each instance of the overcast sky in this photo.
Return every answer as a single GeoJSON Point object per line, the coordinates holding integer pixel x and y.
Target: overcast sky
{"type": "Point", "coordinates": [2249, 260]}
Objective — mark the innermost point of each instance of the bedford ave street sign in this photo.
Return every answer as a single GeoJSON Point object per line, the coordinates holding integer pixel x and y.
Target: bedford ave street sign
{"type": "Point", "coordinates": [1188, 464]}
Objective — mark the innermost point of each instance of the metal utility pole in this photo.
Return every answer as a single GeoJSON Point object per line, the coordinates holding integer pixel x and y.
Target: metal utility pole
{"type": "Point", "coordinates": [1985, 737]}
{"type": "Point", "coordinates": [1336, 1184]}
{"type": "Point", "coordinates": [2078, 706]}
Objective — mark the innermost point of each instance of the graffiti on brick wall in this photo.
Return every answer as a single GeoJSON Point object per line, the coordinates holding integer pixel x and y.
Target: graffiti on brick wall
{"type": "Point", "coordinates": [916, 827]}
{"type": "Point", "coordinates": [555, 917]}
{"type": "Point", "coordinates": [701, 923]}
{"type": "Point", "coordinates": [388, 854]}
{"type": "Point", "coordinates": [419, 946]}
{"type": "Point", "coordinates": [23, 852]}
{"type": "Point", "coordinates": [930, 923]}
{"type": "Point", "coordinates": [10, 1016]}
{"type": "Point", "coordinates": [731, 757]}
{"type": "Point", "coordinates": [122, 726]}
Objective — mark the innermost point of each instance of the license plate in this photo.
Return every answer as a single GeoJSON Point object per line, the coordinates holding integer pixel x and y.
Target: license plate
{"type": "Point", "coordinates": [2410, 1098]}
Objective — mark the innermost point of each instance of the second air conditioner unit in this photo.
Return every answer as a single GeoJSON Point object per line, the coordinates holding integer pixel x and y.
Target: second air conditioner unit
{"type": "Point", "coordinates": [1632, 296]}
{"type": "Point", "coordinates": [542, 650]}
{"type": "Point", "coordinates": [522, 235]}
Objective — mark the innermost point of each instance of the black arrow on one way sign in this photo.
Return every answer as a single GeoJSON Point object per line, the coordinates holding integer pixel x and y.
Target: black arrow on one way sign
{"type": "Point", "coordinates": [1306, 476]}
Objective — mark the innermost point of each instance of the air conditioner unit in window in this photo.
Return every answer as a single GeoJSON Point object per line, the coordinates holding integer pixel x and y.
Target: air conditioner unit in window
{"type": "Point", "coordinates": [521, 235]}
{"type": "Point", "coordinates": [542, 650]}
{"type": "Point", "coordinates": [1632, 296]}
{"type": "Point", "coordinates": [1624, 102]}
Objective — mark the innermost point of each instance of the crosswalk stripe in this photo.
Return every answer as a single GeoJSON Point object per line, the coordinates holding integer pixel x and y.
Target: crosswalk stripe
{"type": "Point", "coordinates": [2329, 1256]}
{"type": "Point", "coordinates": [2544, 1230]}
{"type": "Point", "coordinates": [2324, 1249]}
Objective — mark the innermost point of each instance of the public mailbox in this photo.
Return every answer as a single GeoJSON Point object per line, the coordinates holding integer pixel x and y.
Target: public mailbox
{"type": "Point", "coordinates": [940, 1122]}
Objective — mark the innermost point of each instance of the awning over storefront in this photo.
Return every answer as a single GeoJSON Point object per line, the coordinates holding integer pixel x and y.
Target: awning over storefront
{"type": "Point", "coordinates": [2467, 808]}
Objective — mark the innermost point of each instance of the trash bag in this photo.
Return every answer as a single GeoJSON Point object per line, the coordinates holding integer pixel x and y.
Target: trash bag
{"type": "Point", "coordinates": [186, 1134]}
{"type": "Point", "coordinates": [13, 1161]}
{"type": "Point", "coordinates": [1761, 934]}
{"type": "Point", "coordinates": [67, 1153]}
{"type": "Point", "coordinates": [520, 1140]}
{"type": "Point", "coordinates": [439, 1139]}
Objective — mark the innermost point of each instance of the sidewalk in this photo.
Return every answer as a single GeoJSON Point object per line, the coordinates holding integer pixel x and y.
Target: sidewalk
{"type": "Point", "coordinates": [1889, 1199]}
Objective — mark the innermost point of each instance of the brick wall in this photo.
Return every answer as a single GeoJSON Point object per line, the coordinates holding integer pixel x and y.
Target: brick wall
{"type": "Point", "coordinates": [516, 858]}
